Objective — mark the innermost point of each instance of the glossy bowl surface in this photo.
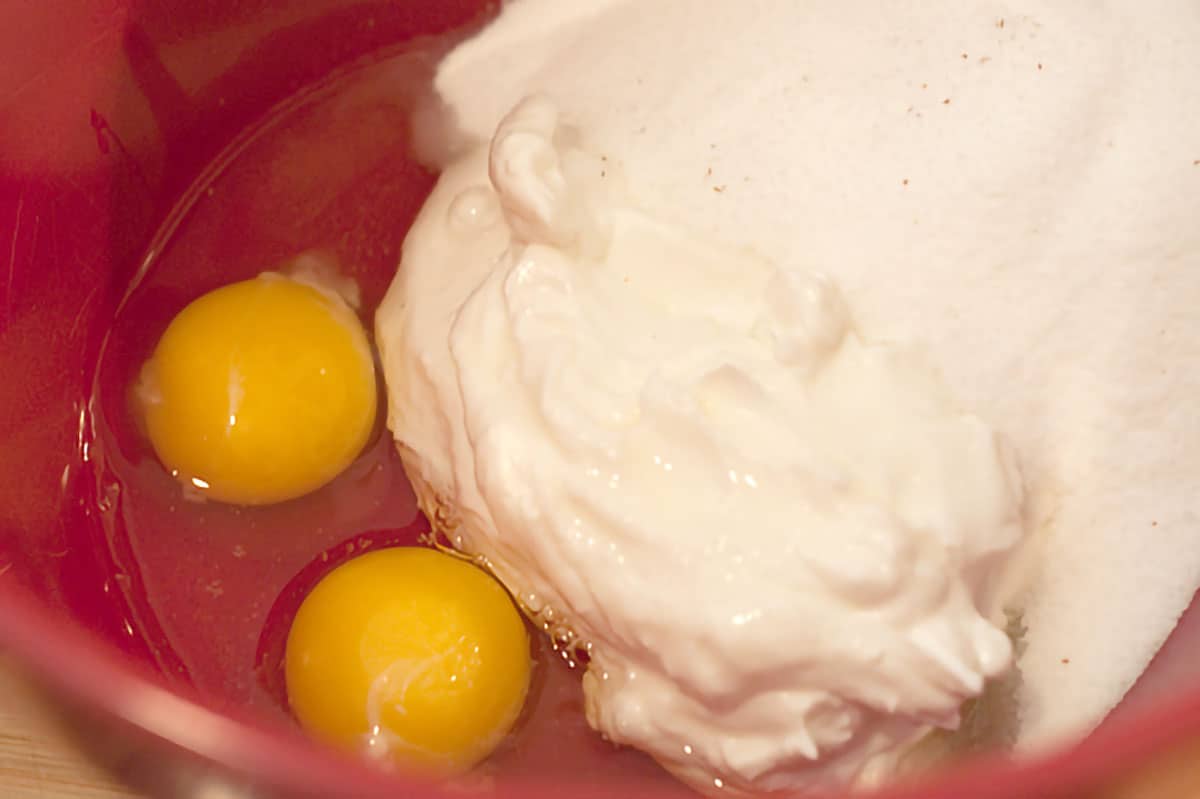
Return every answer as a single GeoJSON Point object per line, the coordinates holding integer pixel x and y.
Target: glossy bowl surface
{"type": "Point", "coordinates": [109, 109]}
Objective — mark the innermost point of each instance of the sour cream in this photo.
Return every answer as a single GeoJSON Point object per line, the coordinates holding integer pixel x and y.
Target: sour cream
{"type": "Point", "coordinates": [784, 543]}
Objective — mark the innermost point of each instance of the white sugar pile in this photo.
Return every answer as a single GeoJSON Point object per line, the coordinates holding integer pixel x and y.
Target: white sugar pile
{"type": "Point", "coordinates": [1012, 186]}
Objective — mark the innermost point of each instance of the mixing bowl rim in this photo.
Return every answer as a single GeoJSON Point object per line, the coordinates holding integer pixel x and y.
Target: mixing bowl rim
{"type": "Point", "coordinates": [92, 675]}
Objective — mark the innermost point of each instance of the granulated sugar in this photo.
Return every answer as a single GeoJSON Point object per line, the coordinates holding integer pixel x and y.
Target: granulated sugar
{"type": "Point", "coordinates": [1010, 187]}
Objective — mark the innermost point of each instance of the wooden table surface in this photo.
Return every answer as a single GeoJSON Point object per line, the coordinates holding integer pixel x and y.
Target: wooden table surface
{"type": "Point", "coordinates": [37, 761]}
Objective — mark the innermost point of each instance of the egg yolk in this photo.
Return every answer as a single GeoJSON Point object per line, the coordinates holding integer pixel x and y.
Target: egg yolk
{"type": "Point", "coordinates": [411, 655]}
{"type": "Point", "coordinates": [260, 391]}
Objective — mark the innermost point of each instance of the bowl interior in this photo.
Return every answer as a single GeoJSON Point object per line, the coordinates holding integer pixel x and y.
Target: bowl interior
{"type": "Point", "coordinates": [108, 182]}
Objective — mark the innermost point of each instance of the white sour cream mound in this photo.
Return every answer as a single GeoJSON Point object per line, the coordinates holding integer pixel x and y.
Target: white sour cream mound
{"type": "Point", "coordinates": [1010, 186]}
{"type": "Point", "coordinates": [783, 541]}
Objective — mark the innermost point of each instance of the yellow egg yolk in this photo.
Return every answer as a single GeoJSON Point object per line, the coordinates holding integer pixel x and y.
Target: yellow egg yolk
{"type": "Point", "coordinates": [260, 391]}
{"type": "Point", "coordinates": [411, 655]}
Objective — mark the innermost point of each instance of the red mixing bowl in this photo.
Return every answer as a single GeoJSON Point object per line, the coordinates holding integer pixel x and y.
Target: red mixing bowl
{"type": "Point", "coordinates": [100, 135]}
